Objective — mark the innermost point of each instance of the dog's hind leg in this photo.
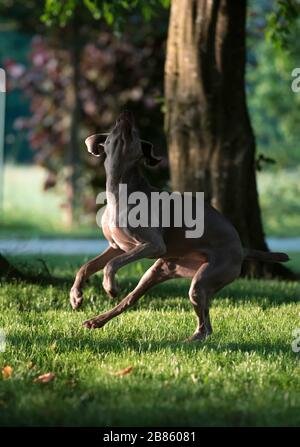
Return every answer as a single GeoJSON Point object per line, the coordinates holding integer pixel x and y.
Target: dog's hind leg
{"type": "Point", "coordinates": [88, 269]}
{"type": "Point", "coordinates": [212, 276]}
{"type": "Point", "coordinates": [160, 271]}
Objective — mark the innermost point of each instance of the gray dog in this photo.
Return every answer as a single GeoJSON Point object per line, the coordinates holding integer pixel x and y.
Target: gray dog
{"type": "Point", "coordinates": [212, 261]}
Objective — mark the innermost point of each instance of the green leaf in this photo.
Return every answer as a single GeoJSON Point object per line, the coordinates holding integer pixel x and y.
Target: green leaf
{"type": "Point", "coordinates": [108, 14]}
{"type": "Point", "coordinates": [165, 3]}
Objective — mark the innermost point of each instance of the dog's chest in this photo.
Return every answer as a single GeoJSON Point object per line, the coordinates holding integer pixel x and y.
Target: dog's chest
{"type": "Point", "coordinates": [116, 236]}
{"type": "Point", "coordinates": [121, 238]}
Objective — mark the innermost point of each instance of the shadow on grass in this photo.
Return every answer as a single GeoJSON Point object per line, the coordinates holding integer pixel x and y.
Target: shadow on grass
{"type": "Point", "coordinates": [167, 296]}
{"type": "Point", "coordinates": [264, 293]}
{"type": "Point", "coordinates": [138, 404]}
{"type": "Point", "coordinates": [117, 345]}
{"type": "Point", "coordinates": [170, 295]}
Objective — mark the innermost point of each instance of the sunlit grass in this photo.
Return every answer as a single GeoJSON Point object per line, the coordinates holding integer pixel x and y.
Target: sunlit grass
{"type": "Point", "coordinates": [28, 211]}
{"type": "Point", "coordinates": [245, 374]}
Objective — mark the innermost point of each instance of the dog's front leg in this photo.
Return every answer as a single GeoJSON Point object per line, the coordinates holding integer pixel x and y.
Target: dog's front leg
{"type": "Point", "coordinates": [156, 274]}
{"type": "Point", "coordinates": [88, 269]}
{"type": "Point", "coordinates": [144, 250]}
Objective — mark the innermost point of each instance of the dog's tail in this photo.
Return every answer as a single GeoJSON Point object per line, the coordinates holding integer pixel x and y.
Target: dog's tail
{"type": "Point", "coordinates": [264, 256]}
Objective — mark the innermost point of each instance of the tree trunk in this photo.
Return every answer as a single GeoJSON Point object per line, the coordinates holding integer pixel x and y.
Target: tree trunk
{"type": "Point", "coordinates": [210, 139]}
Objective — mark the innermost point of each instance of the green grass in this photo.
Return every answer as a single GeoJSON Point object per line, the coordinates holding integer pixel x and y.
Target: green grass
{"type": "Point", "coordinates": [29, 212]}
{"type": "Point", "coordinates": [245, 374]}
{"type": "Point", "coordinates": [33, 213]}
{"type": "Point", "coordinates": [279, 192]}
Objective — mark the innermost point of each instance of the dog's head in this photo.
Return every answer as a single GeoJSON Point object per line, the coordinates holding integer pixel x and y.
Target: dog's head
{"type": "Point", "coordinates": [123, 143]}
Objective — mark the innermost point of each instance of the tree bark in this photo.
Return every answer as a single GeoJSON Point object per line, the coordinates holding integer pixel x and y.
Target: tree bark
{"type": "Point", "coordinates": [210, 138]}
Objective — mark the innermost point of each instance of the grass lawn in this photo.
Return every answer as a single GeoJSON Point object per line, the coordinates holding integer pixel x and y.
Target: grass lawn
{"type": "Point", "coordinates": [245, 374]}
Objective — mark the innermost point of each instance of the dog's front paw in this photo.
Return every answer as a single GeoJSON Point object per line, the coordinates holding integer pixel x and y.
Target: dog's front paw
{"type": "Point", "coordinates": [110, 285]}
{"type": "Point", "coordinates": [76, 298]}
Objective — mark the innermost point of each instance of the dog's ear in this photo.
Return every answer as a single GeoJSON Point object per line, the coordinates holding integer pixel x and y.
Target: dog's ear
{"type": "Point", "coordinates": [95, 144]}
{"type": "Point", "coordinates": [150, 158]}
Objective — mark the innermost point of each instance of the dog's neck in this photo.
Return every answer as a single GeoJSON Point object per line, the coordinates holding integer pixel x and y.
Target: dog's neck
{"type": "Point", "coordinates": [130, 176]}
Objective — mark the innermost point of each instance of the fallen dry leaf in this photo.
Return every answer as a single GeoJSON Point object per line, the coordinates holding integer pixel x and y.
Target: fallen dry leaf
{"type": "Point", "coordinates": [45, 378]}
{"type": "Point", "coordinates": [124, 371]}
{"type": "Point", "coordinates": [7, 372]}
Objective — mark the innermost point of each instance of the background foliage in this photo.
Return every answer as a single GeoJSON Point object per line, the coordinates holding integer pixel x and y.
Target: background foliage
{"type": "Point", "coordinates": [272, 56]}
{"type": "Point", "coordinates": [126, 70]}
{"type": "Point", "coordinates": [114, 74]}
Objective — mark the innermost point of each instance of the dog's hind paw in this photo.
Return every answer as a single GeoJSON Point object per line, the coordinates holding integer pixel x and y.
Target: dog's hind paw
{"type": "Point", "coordinates": [95, 323]}
{"type": "Point", "coordinates": [76, 298]}
{"type": "Point", "coordinates": [197, 336]}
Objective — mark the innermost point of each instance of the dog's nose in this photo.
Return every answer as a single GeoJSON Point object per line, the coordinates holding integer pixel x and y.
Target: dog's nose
{"type": "Point", "coordinates": [126, 116]}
